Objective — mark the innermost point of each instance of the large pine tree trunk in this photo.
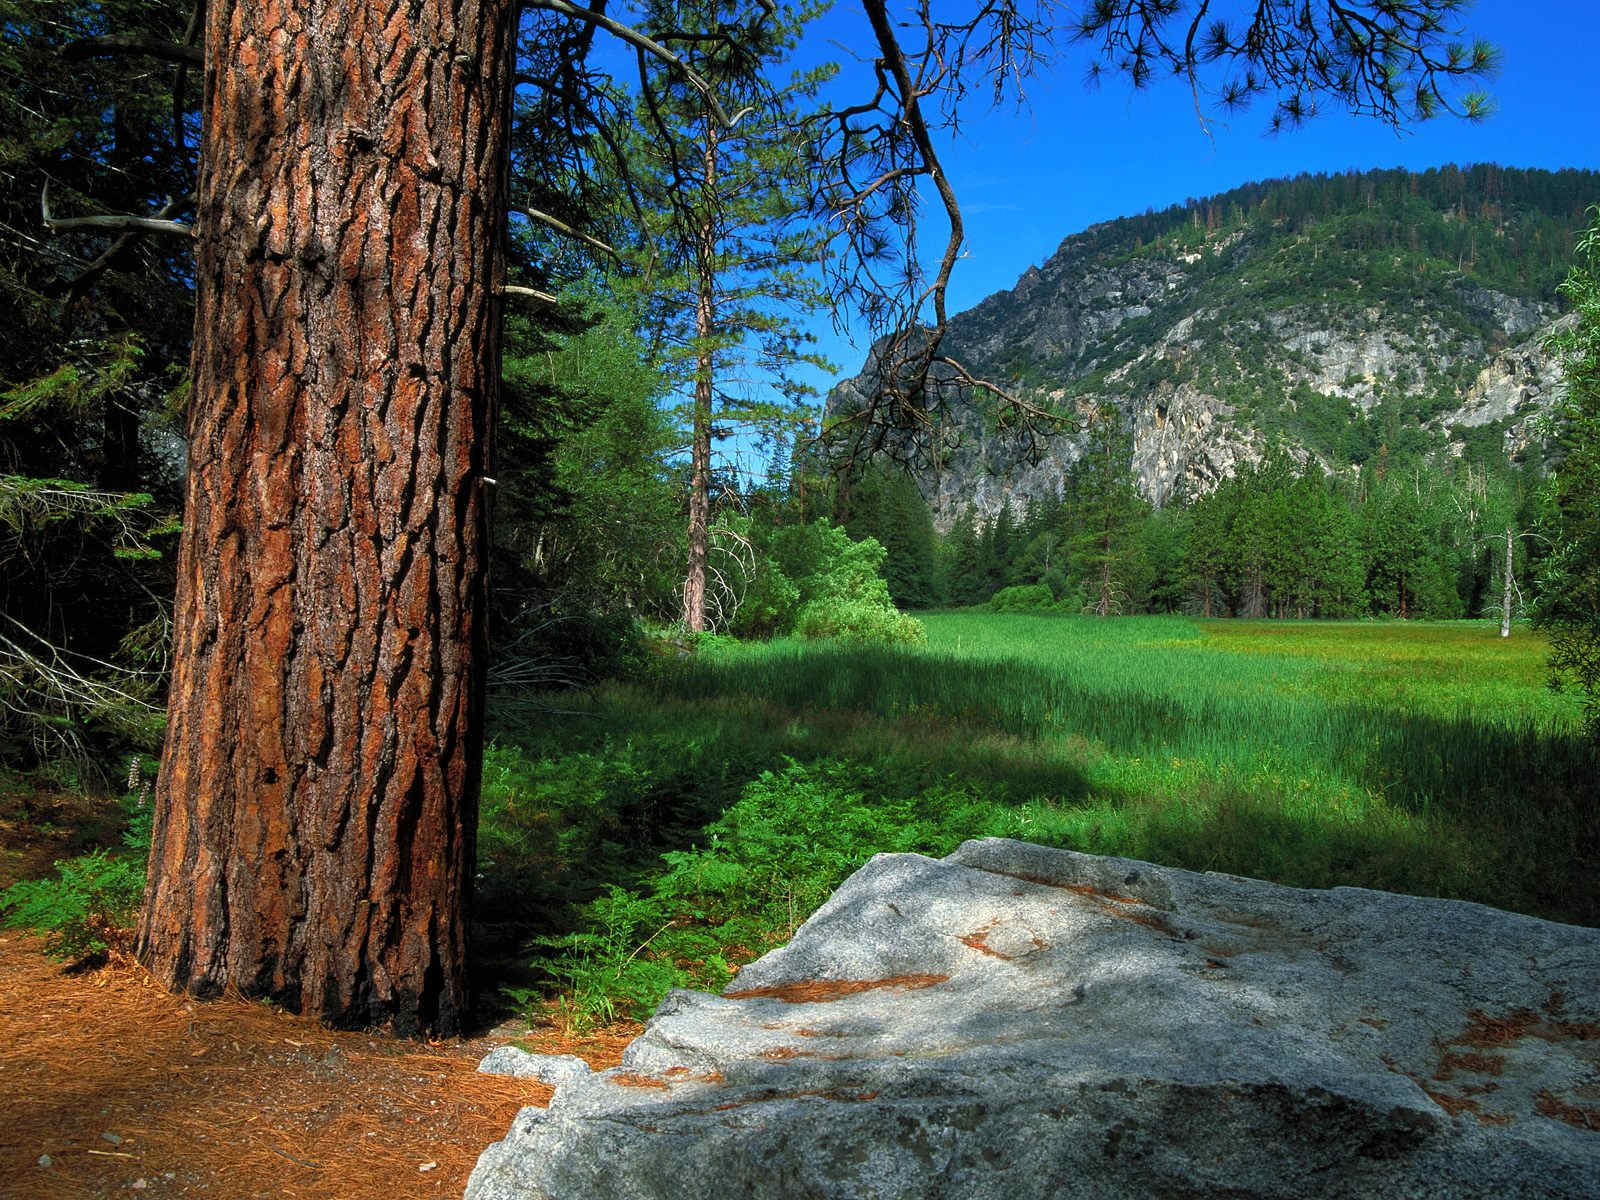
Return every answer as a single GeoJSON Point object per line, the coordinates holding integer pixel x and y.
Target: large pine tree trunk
{"type": "Point", "coordinates": [317, 801]}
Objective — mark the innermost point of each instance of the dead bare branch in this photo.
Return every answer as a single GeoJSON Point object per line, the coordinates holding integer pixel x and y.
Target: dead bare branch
{"type": "Point", "coordinates": [511, 289]}
{"type": "Point", "coordinates": [112, 222]}
{"type": "Point", "coordinates": [647, 45]}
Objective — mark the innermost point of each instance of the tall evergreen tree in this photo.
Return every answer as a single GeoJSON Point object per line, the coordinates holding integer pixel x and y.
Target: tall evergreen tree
{"type": "Point", "coordinates": [1569, 592]}
{"type": "Point", "coordinates": [997, 550]}
{"type": "Point", "coordinates": [961, 562]}
{"type": "Point", "coordinates": [735, 200]}
{"type": "Point", "coordinates": [887, 506]}
{"type": "Point", "coordinates": [1107, 512]}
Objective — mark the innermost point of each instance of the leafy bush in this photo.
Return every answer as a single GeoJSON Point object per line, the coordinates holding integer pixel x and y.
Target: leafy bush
{"type": "Point", "coordinates": [841, 590]}
{"type": "Point", "coordinates": [860, 622]}
{"type": "Point", "coordinates": [84, 910]}
{"type": "Point", "coordinates": [1029, 597]}
{"type": "Point", "coordinates": [603, 975]}
{"type": "Point", "coordinates": [770, 598]}
{"type": "Point", "coordinates": [89, 905]}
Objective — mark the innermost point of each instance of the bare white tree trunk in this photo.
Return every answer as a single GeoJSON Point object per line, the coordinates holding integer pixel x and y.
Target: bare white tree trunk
{"type": "Point", "coordinates": [1505, 596]}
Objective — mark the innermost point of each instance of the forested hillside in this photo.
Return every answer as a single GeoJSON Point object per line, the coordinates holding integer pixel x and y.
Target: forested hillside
{"type": "Point", "coordinates": [1374, 319]}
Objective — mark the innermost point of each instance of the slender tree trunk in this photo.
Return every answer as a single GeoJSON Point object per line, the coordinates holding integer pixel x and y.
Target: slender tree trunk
{"type": "Point", "coordinates": [705, 315]}
{"type": "Point", "coordinates": [317, 802]}
{"type": "Point", "coordinates": [1505, 594]}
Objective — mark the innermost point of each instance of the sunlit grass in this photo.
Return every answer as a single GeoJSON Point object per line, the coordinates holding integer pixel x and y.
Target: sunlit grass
{"type": "Point", "coordinates": [1425, 758]}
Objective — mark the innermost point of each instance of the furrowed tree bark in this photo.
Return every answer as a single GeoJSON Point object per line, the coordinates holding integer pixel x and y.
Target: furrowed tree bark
{"type": "Point", "coordinates": [317, 801]}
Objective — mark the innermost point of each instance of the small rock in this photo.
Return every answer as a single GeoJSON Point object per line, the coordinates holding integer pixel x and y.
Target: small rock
{"type": "Point", "coordinates": [46, 1161]}
{"type": "Point", "coordinates": [139, 1184]}
{"type": "Point", "coordinates": [545, 1068]}
{"type": "Point", "coordinates": [429, 1166]}
{"type": "Point", "coordinates": [114, 1138]}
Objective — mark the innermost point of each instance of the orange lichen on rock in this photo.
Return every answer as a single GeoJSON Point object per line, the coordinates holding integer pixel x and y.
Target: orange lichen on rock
{"type": "Point", "coordinates": [1124, 908]}
{"type": "Point", "coordinates": [1454, 1105]}
{"type": "Point", "coordinates": [979, 941]}
{"type": "Point", "coordinates": [819, 1093]}
{"type": "Point", "coordinates": [820, 991]}
{"type": "Point", "coordinates": [633, 1080]}
{"type": "Point", "coordinates": [1484, 1032]}
{"type": "Point", "coordinates": [1548, 1104]}
{"type": "Point", "coordinates": [1483, 1064]}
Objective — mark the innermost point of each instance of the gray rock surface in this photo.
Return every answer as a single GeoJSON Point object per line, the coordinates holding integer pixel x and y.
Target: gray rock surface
{"type": "Point", "coordinates": [546, 1068]}
{"type": "Point", "coordinates": [1014, 1021]}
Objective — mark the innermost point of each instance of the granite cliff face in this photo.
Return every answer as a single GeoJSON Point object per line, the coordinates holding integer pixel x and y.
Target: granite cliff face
{"type": "Point", "coordinates": [1351, 318]}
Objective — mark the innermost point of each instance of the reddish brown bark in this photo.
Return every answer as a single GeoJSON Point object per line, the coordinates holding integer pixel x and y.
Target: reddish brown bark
{"type": "Point", "coordinates": [705, 313]}
{"type": "Point", "coordinates": [316, 808]}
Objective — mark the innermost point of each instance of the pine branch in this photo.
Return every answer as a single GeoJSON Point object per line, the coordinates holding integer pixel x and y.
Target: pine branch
{"type": "Point", "coordinates": [646, 45]}
{"type": "Point", "coordinates": [111, 45]}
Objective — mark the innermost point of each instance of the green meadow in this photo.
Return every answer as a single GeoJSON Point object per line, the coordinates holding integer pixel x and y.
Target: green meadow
{"type": "Point", "coordinates": [671, 827]}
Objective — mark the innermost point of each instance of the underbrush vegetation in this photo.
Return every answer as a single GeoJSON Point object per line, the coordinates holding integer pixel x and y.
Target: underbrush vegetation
{"type": "Point", "coordinates": [87, 906]}
{"type": "Point", "coordinates": [665, 831]}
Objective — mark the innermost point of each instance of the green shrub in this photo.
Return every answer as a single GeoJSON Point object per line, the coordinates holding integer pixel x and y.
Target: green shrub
{"type": "Point", "coordinates": [862, 622]}
{"type": "Point", "coordinates": [85, 909]}
{"type": "Point", "coordinates": [89, 905]}
{"type": "Point", "coordinates": [766, 863]}
{"type": "Point", "coordinates": [601, 968]}
{"type": "Point", "coordinates": [1028, 597]}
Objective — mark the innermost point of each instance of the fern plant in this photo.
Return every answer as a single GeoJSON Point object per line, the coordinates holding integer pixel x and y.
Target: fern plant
{"type": "Point", "coordinates": [88, 906]}
{"type": "Point", "coordinates": [85, 909]}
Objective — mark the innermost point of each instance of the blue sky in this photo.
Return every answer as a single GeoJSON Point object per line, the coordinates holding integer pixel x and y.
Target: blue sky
{"type": "Point", "coordinates": [1074, 156]}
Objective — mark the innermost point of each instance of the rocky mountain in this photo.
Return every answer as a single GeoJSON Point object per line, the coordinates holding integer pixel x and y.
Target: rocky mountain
{"type": "Point", "coordinates": [1356, 318]}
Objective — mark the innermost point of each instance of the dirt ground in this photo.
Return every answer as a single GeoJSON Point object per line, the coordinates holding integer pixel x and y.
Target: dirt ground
{"type": "Point", "coordinates": [111, 1086]}
{"type": "Point", "coordinates": [127, 1090]}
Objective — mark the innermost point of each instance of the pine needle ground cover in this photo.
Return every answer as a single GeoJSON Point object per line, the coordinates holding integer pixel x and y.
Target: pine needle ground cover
{"type": "Point", "coordinates": [669, 829]}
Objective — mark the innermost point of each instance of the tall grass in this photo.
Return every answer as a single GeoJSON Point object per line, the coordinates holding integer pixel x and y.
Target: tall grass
{"type": "Point", "coordinates": [1155, 688]}
{"type": "Point", "coordinates": [1446, 724]}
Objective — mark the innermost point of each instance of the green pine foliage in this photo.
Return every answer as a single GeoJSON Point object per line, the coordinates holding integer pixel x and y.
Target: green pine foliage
{"type": "Point", "coordinates": [1569, 593]}
{"type": "Point", "coordinates": [1282, 538]}
{"type": "Point", "coordinates": [91, 381]}
{"type": "Point", "coordinates": [1104, 513]}
{"type": "Point", "coordinates": [887, 506]}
